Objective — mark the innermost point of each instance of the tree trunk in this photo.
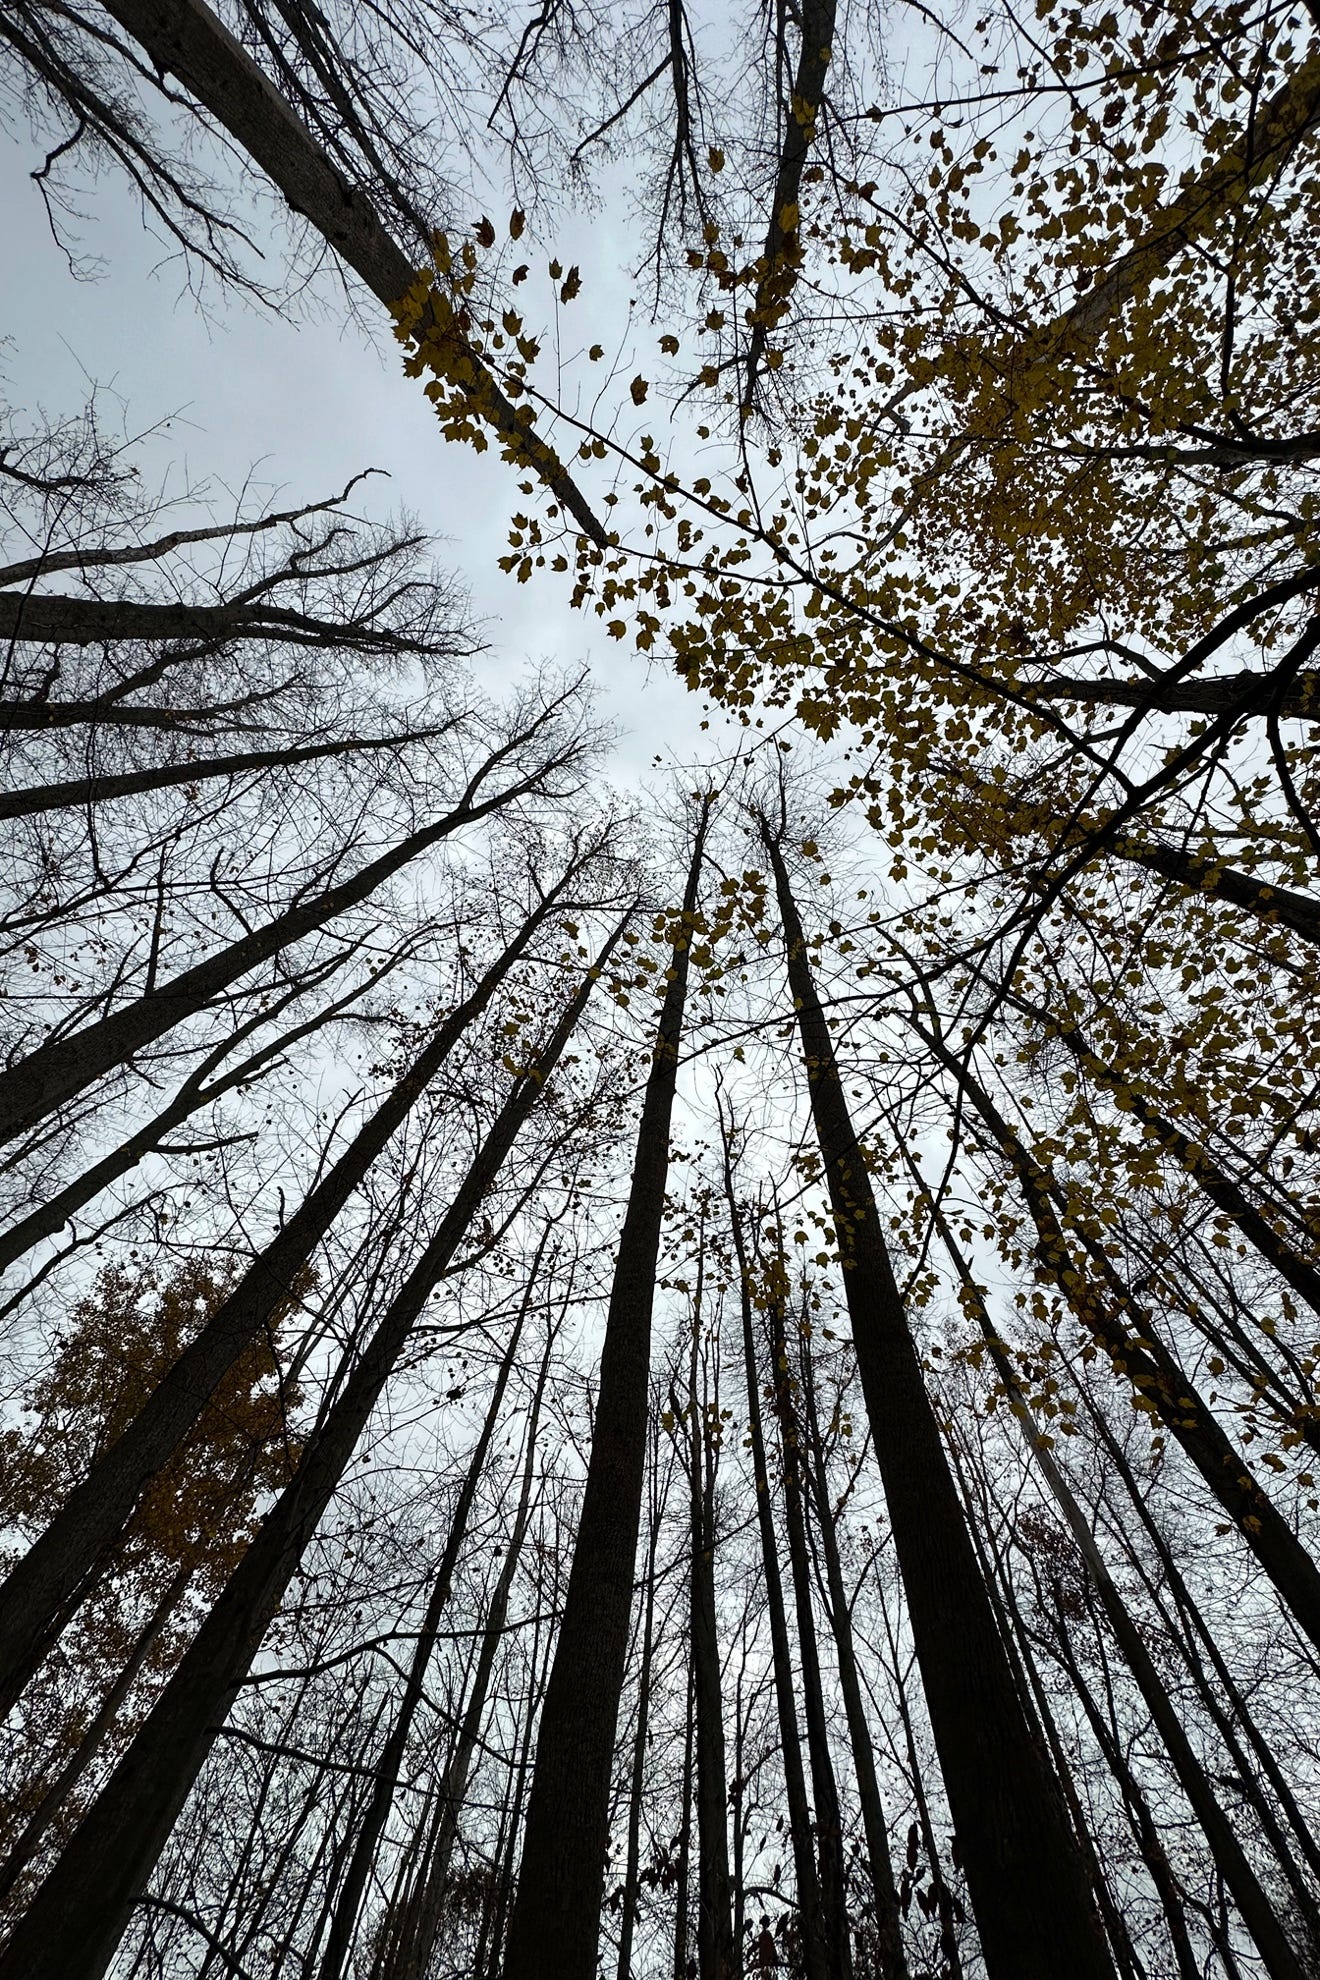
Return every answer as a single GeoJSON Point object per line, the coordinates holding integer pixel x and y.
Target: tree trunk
{"type": "Point", "coordinates": [1028, 1887]}
{"type": "Point", "coordinates": [381, 1801]}
{"type": "Point", "coordinates": [795, 1786]}
{"type": "Point", "coordinates": [632, 1859]}
{"type": "Point", "coordinates": [893, 1960]}
{"type": "Point", "coordinates": [1228, 1854]}
{"type": "Point", "coordinates": [414, 1956]}
{"type": "Point", "coordinates": [55, 1072]}
{"type": "Point", "coordinates": [714, 1919]}
{"type": "Point", "coordinates": [74, 1924]}
{"type": "Point", "coordinates": [829, 1823]}
{"type": "Point", "coordinates": [82, 791]}
{"type": "Point", "coordinates": [1147, 1835]}
{"type": "Point", "coordinates": [40, 1588]}
{"type": "Point", "coordinates": [185, 39]}
{"type": "Point", "coordinates": [1140, 1357]}
{"type": "Point", "coordinates": [555, 1926]}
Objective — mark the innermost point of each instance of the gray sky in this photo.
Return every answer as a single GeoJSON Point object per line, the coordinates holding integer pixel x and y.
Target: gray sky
{"type": "Point", "coordinates": [309, 402]}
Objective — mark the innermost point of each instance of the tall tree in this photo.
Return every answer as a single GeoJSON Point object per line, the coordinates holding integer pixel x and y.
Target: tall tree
{"type": "Point", "coordinates": [79, 1915]}
{"type": "Point", "coordinates": [555, 1923]}
{"type": "Point", "coordinates": [1029, 1891]}
{"type": "Point", "coordinates": [58, 1564]}
{"type": "Point", "coordinates": [795, 1786]}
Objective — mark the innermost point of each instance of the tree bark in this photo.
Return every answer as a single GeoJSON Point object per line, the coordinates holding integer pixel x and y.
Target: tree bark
{"type": "Point", "coordinates": [555, 1926]}
{"type": "Point", "coordinates": [632, 1859]}
{"type": "Point", "coordinates": [893, 1960]}
{"type": "Point", "coordinates": [75, 1922]}
{"type": "Point", "coordinates": [38, 1591]}
{"type": "Point", "coordinates": [1027, 1883]}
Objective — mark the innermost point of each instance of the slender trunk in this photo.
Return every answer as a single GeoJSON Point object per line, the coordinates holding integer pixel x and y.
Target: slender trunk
{"type": "Point", "coordinates": [1115, 1923]}
{"type": "Point", "coordinates": [714, 1920]}
{"type": "Point", "coordinates": [893, 1960]}
{"type": "Point", "coordinates": [632, 1860]}
{"type": "Point", "coordinates": [1147, 1835]}
{"type": "Point", "coordinates": [738, 1805]}
{"type": "Point", "coordinates": [185, 39]}
{"type": "Point", "coordinates": [555, 1926]}
{"type": "Point", "coordinates": [198, 1090]}
{"type": "Point", "coordinates": [923, 1827]}
{"type": "Point", "coordinates": [829, 1824]}
{"type": "Point", "coordinates": [416, 1957]}
{"type": "Point", "coordinates": [36, 1085]}
{"type": "Point", "coordinates": [40, 1587]}
{"type": "Point", "coordinates": [684, 1876]}
{"type": "Point", "coordinates": [489, 1968]}
{"type": "Point", "coordinates": [782, 256]}
{"type": "Point", "coordinates": [1193, 1619]}
{"type": "Point", "coordinates": [795, 1786]}
{"type": "Point", "coordinates": [381, 1800]}
{"type": "Point", "coordinates": [1228, 1854]}
{"type": "Point", "coordinates": [1027, 1884]}
{"type": "Point", "coordinates": [81, 791]}
{"type": "Point", "coordinates": [1141, 1358]}
{"type": "Point", "coordinates": [77, 1918]}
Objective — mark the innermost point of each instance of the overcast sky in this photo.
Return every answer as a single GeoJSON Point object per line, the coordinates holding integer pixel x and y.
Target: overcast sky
{"type": "Point", "coordinates": [309, 401]}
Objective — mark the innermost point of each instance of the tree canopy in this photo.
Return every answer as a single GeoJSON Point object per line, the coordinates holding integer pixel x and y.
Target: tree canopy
{"type": "Point", "coordinates": [710, 1378]}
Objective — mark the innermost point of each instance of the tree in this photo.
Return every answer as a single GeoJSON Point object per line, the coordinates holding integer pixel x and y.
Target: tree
{"type": "Point", "coordinates": [556, 1913]}
{"type": "Point", "coordinates": [83, 1907]}
{"type": "Point", "coordinates": [1021, 1913]}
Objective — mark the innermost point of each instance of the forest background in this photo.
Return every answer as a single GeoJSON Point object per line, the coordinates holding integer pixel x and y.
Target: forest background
{"type": "Point", "coordinates": [661, 1264]}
